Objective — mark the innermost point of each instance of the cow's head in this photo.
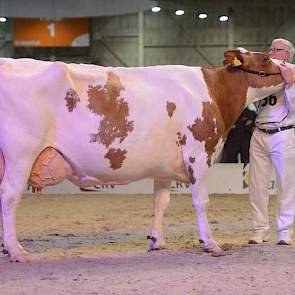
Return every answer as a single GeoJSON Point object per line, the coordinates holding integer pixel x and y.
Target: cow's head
{"type": "Point", "coordinates": [261, 71]}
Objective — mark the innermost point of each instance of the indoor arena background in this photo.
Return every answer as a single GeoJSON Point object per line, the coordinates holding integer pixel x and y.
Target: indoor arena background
{"type": "Point", "coordinates": [95, 242]}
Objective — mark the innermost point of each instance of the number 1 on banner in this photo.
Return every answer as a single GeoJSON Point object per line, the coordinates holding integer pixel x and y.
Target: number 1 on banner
{"type": "Point", "coordinates": [72, 32]}
{"type": "Point", "coordinates": [51, 28]}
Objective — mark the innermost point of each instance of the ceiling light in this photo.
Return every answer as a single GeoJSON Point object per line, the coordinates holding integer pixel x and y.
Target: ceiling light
{"type": "Point", "coordinates": [223, 18]}
{"type": "Point", "coordinates": [179, 12]}
{"type": "Point", "coordinates": [156, 9]}
{"type": "Point", "coordinates": [202, 15]}
{"type": "Point", "coordinates": [2, 19]}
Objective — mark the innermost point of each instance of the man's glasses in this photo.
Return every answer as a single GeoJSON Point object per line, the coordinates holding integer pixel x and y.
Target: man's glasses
{"type": "Point", "coordinates": [277, 49]}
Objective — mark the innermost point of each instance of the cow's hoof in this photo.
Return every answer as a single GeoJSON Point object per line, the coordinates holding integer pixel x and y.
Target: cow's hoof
{"type": "Point", "coordinates": [155, 244]}
{"type": "Point", "coordinates": [20, 257]}
{"type": "Point", "coordinates": [215, 251]}
{"type": "Point", "coordinates": [157, 247]}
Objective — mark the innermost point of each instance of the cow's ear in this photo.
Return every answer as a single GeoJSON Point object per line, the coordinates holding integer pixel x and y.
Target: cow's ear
{"type": "Point", "coordinates": [236, 62]}
{"type": "Point", "coordinates": [232, 58]}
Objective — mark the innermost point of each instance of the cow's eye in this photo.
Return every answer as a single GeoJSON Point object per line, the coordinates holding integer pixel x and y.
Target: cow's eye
{"type": "Point", "coordinates": [266, 57]}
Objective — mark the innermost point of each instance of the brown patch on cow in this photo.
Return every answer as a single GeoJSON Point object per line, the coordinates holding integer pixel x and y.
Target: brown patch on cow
{"type": "Point", "coordinates": [192, 178]}
{"type": "Point", "coordinates": [192, 159]}
{"type": "Point", "coordinates": [171, 107]}
{"type": "Point", "coordinates": [228, 91]}
{"type": "Point", "coordinates": [107, 102]}
{"type": "Point", "coordinates": [181, 139]}
{"type": "Point", "coordinates": [72, 98]}
{"type": "Point", "coordinates": [208, 129]}
{"type": "Point", "coordinates": [116, 157]}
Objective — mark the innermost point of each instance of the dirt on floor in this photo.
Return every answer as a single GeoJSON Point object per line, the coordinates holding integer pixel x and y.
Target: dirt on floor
{"type": "Point", "coordinates": [86, 244]}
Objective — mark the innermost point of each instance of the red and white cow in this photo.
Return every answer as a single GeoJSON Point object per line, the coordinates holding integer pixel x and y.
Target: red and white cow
{"type": "Point", "coordinates": [103, 125]}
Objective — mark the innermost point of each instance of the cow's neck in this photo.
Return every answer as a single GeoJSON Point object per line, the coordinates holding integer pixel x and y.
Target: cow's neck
{"type": "Point", "coordinates": [228, 90]}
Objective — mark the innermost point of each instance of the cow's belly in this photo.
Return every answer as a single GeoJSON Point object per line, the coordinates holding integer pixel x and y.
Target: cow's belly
{"type": "Point", "coordinates": [121, 163]}
{"type": "Point", "coordinates": [94, 168]}
{"type": "Point", "coordinates": [85, 180]}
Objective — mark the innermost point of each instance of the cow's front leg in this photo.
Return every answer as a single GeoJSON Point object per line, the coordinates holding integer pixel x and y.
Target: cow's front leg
{"type": "Point", "coordinates": [161, 201]}
{"type": "Point", "coordinates": [197, 170]}
{"type": "Point", "coordinates": [201, 203]}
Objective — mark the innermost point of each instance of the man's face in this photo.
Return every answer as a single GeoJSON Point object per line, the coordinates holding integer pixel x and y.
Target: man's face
{"type": "Point", "coordinates": [279, 51]}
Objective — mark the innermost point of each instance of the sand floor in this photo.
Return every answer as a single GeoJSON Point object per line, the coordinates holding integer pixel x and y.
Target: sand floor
{"type": "Point", "coordinates": [97, 245]}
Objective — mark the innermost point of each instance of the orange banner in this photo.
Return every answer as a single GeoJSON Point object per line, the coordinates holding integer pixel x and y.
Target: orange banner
{"type": "Point", "coordinates": [72, 32]}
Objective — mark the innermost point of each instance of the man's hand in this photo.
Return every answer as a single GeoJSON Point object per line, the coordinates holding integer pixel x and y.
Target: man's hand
{"type": "Point", "coordinates": [288, 73]}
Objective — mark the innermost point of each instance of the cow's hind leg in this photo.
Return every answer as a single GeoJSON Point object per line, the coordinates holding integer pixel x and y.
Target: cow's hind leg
{"type": "Point", "coordinates": [4, 251]}
{"type": "Point", "coordinates": [11, 188]}
{"type": "Point", "coordinates": [161, 201]}
{"type": "Point", "coordinates": [2, 166]}
{"type": "Point", "coordinates": [10, 198]}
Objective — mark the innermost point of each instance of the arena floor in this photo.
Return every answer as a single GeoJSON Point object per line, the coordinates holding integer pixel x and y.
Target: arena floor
{"type": "Point", "coordinates": [97, 245]}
